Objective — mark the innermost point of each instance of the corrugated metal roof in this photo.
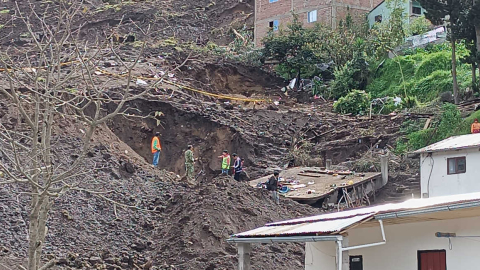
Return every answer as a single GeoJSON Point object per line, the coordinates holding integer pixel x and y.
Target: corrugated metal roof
{"type": "Point", "coordinates": [386, 208]}
{"type": "Point", "coordinates": [453, 143]}
{"type": "Point", "coordinates": [321, 227]}
{"type": "Point", "coordinates": [338, 221]}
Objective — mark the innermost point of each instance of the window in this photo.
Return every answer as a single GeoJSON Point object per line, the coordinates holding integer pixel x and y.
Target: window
{"type": "Point", "coordinates": [273, 25]}
{"type": "Point", "coordinates": [312, 16]}
{"type": "Point", "coordinates": [378, 18]}
{"type": "Point", "coordinates": [456, 165]}
{"type": "Point", "coordinates": [417, 10]}
{"type": "Point", "coordinates": [272, 1]}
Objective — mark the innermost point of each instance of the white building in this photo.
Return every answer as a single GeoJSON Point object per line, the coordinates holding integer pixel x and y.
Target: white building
{"type": "Point", "coordinates": [451, 166]}
{"type": "Point", "coordinates": [426, 234]}
{"type": "Point", "coordinates": [382, 12]}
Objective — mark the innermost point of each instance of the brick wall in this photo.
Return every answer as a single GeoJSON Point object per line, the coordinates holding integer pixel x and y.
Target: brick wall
{"type": "Point", "coordinates": [266, 10]}
{"type": "Point", "coordinates": [358, 15]}
{"type": "Point", "coordinates": [281, 11]}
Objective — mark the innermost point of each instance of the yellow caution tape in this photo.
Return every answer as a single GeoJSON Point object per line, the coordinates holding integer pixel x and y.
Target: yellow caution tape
{"type": "Point", "coordinates": [184, 87]}
{"type": "Point", "coordinates": [157, 79]}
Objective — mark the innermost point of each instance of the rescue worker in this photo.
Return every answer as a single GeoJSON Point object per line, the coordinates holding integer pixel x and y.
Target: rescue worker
{"type": "Point", "coordinates": [475, 126]}
{"type": "Point", "coordinates": [156, 148]}
{"type": "Point", "coordinates": [189, 164]}
{"type": "Point", "coordinates": [225, 162]}
{"type": "Point", "coordinates": [237, 166]}
{"type": "Point", "coordinates": [272, 186]}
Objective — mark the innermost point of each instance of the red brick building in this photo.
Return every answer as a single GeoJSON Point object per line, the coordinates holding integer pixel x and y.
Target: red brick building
{"type": "Point", "coordinates": [277, 13]}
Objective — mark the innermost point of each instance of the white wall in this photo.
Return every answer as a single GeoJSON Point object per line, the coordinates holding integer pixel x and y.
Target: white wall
{"type": "Point", "coordinates": [385, 10]}
{"type": "Point", "coordinates": [381, 9]}
{"type": "Point", "coordinates": [441, 183]}
{"type": "Point", "coordinates": [403, 242]}
{"type": "Point", "coordinates": [320, 254]}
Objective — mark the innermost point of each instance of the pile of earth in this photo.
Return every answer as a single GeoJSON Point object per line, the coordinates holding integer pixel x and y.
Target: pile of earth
{"type": "Point", "coordinates": [267, 136]}
{"type": "Point", "coordinates": [173, 22]}
{"type": "Point", "coordinates": [127, 214]}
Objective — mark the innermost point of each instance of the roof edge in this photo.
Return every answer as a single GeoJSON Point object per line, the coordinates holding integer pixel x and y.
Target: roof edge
{"type": "Point", "coordinates": [420, 151]}
{"type": "Point", "coordinates": [436, 209]}
{"type": "Point", "coordinates": [376, 7]}
{"type": "Point", "coordinates": [284, 239]}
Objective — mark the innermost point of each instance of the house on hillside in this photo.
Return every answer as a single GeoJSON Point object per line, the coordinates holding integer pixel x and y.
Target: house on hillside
{"type": "Point", "coordinates": [436, 233]}
{"type": "Point", "coordinates": [450, 166]}
{"type": "Point", "coordinates": [271, 14]}
{"type": "Point", "coordinates": [383, 10]}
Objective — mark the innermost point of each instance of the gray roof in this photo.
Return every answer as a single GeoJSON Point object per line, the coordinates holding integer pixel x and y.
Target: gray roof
{"type": "Point", "coordinates": [333, 223]}
{"type": "Point", "coordinates": [453, 143]}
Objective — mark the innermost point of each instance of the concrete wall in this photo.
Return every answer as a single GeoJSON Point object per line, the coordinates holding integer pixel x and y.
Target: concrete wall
{"type": "Point", "coordinates": [320, 253]}
{"type": "Point", "coordinates": [441, 183]}
{"type": "Point", "coordinates": [385, 10]}
{"type": "Point", "coordinates": [403, 242]}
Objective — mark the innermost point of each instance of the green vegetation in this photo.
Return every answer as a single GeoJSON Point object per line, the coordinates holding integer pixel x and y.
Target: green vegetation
{"type": "Point", "coordinates": [423, 74]}
{"type": "Point", "coordinates": [294, 48]}
{"type": "Point", "coordinates": [450, 123]}
{"type": "Point", "coordinates": [352, 75]}
{"type": "Point", "coordinates": [418, 26]}
{"type": "Point", "coordinates": [355, 102]}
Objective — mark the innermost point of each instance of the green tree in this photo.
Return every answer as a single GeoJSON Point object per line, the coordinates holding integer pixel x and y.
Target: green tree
{"type": "Point", "coordinates": [439, 11]}
{"type": "Point", "coordinates": [387, 35]}
{"type": "Point", "coordinates": [470, 32]}
{"type": "Point", "coordinates": [352, 75]}
{"type": "Point", "coordinates": [293, 48]}
{"type": "Point", "coordinates": [418, 26]}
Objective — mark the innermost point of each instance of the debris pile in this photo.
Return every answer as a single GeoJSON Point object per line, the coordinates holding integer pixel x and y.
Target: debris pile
{"type": "Point", "coordinates": [148, 218]}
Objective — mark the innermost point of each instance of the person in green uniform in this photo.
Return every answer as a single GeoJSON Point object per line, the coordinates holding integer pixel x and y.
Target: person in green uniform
{"type": "Point", "coordinates": [189, 164]}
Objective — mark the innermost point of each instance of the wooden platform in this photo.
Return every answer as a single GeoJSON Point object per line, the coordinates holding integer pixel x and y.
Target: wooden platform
{"type": "Point", "coordinates": [320, 183]}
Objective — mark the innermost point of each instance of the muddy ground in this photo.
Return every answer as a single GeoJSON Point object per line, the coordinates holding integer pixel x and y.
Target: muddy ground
{"type": "Point", "coordinates": [167, 223]}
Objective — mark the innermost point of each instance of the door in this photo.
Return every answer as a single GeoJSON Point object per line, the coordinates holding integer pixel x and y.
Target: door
{"type": "Point", "coordinates": [356, 262]}
{"type": "Point", "coordinates": [432, 260]}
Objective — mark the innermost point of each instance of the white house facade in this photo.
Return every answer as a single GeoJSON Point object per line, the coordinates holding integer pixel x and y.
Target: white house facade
{"type": "Point", "coordinates": [451, 166]}
{"type": "Point", "coordinates": [404, 248]}
{"type": "Point", "coordinates": [383, 11]}
{"type": "Point", "coordinates": [426, 234]}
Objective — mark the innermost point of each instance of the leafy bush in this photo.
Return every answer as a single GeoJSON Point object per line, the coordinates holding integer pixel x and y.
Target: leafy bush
{"type": "Point", "coordinates": [418, 26]}
{"type": "Point", "coordinates": [352, 75]}
{"type": "Point", "coordinates": [410, 102]}
{"type": "Point", "coordinates": [384, 105]}
{"type": "Point", "coordinates": [433, 62]}
{"type": "Point", "coordinates": [355, 102]}
{"type": "Point", "coordinates": [423, 74]}
{"type": "Point", "coordinates": [450, 124]}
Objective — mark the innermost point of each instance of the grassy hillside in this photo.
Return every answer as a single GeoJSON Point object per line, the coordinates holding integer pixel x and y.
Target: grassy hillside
{"type": "Point", "coordinates": [424, 73]}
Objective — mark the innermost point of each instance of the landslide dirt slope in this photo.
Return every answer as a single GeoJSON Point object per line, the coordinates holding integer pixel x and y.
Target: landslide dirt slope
{"type": "Point", "coordinates": [174, 227]}
{"type": "Point", "coordinates": [182, 228]}
{"type": "Point", "coordinates": [181, 21]}
{"type": "Point", "coordinates": [265, 135]}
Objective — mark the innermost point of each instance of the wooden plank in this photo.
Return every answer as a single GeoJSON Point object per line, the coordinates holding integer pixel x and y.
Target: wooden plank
{"type": "Point", "coordinates": [309, 175]}
{"type": "Point", "coordinates": [427, 124]}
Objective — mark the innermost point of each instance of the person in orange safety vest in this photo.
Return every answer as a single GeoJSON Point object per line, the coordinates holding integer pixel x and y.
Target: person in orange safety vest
{"type": "Point", "coordinates": [475, 126]}
{"type": "Point", "coordinates": [156, 149]}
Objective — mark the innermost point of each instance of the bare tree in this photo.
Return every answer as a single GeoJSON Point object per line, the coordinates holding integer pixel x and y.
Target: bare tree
{"type": "Point", "coordinates": [55, 78]}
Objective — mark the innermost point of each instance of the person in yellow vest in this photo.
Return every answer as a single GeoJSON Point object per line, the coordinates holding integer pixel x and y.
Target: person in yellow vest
{"type": "Point", "coordinates": [225, 162]}
{"type": "Point", "coordinates": [156, 149]}
{"type": "Point", "coordinates": [475, 126]}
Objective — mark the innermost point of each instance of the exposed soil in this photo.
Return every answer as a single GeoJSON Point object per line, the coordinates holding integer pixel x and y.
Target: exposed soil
{"type": "Point", "coordinates": [263, 136]}
{"type": "Point", "coordinates": [167, 223]}
{"type": "Point", "coordinates": [183, 228]}
{"type": "Point", "coordinates": [181, 20]}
